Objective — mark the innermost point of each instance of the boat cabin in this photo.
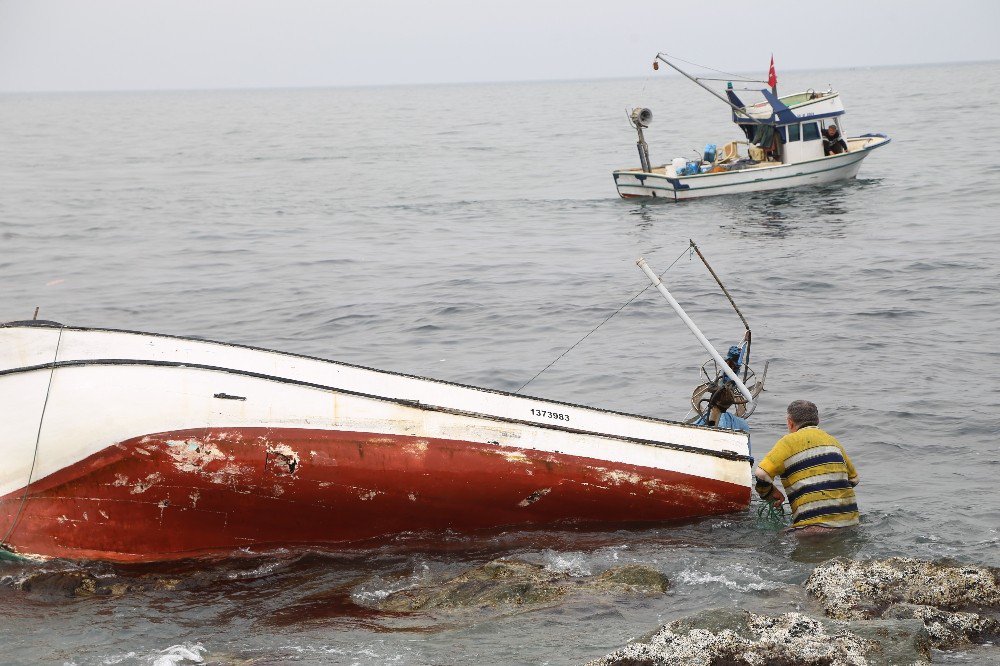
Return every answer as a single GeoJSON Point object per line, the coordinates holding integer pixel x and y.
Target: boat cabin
{"type": "Point", "coordinates": [789, 129]}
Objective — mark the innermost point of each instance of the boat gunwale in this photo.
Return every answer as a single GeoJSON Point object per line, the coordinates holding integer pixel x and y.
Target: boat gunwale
{"type": "Point", "coordinates": [758, 180]}
{"type": "Point", "coordinates": [416, 404]}
{"type": "Point", "coordinates": [727, 454]}
{"type": "Point", "coordinates": [754, 168]}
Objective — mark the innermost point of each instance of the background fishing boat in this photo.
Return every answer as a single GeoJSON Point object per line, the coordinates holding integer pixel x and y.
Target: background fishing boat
{"type": "Point", "coordinates": [784, 147]}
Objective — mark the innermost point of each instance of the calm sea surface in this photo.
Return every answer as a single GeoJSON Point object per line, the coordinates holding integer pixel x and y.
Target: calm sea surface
{"type": "Point", "coordinates": [472, 233]}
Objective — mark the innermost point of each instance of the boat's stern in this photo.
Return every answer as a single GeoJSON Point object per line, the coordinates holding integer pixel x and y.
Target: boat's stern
{"type": "Point", "coordinates": [634, 183]}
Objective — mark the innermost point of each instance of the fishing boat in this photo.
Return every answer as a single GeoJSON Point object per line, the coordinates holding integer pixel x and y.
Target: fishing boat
{"type": "Point", "coordinates": [129, 446]}
{"type": "Point", "coordinates": [785, 146]}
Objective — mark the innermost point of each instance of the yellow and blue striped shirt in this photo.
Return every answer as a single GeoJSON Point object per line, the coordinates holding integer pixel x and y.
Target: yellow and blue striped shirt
{"type": "Point", "coordinates": [818, 477]}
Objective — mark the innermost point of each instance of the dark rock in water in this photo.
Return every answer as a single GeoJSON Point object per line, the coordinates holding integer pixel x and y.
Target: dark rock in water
{"type": "Point", "coordinates": [495, 583]}
{"type": "Point", "coordinates": [948, 629]}
{"type": "Point", "coordinates": [733, 637]}
{"type": "Point", "coordinates": [69, 584]}
{"type": "Point", "coordinates": [504, 583]}
{"type": "Point", "coordinates": [631, 579]}
{"type": "Point", "coordinates": [58, 584]}
{"type": "Point", "coordinates": [851, 589]}
{"type": "Point", "coordinates": [81, 583]}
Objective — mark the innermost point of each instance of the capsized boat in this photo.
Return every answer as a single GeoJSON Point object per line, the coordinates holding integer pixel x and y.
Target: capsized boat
{"type": "Point", "coordinates": [130, 446]}
{"type": "Point", "coordinates": [784, 148]}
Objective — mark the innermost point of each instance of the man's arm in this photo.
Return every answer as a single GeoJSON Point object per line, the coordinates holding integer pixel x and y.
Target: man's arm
{"type": "Point", "coordinates": [766, 489]}
{"type": "Point", "coordinates": [852, 473]}
{"type": "Point", "coordinates": [770, 467]}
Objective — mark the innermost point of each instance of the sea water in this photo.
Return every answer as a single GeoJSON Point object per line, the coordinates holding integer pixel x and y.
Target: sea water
{"type": "Point", "coordinates": [468, 233]}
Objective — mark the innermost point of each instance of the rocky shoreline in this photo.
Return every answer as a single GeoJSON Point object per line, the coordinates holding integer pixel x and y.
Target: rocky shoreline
{"type": "Point", "coordinates": [877, 612]}
{"type": "Point", "coordinates": [868, 612]}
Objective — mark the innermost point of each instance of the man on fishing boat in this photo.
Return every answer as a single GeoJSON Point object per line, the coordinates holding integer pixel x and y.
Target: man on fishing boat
{"type": "Point", "coordinates": [815, 471]}
{"type": "Point", "coordinates": [833, 143]}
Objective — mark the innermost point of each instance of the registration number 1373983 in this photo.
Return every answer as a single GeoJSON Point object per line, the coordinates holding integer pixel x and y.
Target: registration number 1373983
{"type": "Point", "coordinates": [550, 415]}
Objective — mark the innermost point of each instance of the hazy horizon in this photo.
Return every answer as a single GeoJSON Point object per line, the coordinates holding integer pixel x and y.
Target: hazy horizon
{"type": "Point", "coordinates": [658, 74]}
{"type": "Point", "coordinates": [119, 45]}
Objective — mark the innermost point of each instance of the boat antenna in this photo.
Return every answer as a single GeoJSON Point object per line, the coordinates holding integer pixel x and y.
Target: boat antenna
{"type": "Point", "coordinates": [725, 291]}
{"type": "Point", "coordinates": [741, 111]}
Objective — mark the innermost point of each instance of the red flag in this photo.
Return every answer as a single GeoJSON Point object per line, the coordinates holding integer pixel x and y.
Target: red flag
{"type": "Point", "coordinates": [772, 78]}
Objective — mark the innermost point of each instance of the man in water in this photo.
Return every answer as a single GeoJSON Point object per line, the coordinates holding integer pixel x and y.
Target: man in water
{"type": "Point", "coordinates": [815, 472]}
{"type": "Point", "coordinates": [833, 143]}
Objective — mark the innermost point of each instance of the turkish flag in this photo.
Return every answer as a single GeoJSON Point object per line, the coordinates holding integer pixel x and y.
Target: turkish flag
{"type": "Point", "coordinates": [772, 78]}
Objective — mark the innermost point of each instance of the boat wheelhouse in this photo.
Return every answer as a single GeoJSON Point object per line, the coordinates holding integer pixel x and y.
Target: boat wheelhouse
{"type": "Point", "coordinates": [785, 145]}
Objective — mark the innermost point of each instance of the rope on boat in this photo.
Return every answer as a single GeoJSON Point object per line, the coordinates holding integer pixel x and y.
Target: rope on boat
{"type": "Point", "coordinates": [688, 249]}
{"type": "Point", "coordinates": [733, 77]}
{"type": "Point", "coordinates": [38, 437]}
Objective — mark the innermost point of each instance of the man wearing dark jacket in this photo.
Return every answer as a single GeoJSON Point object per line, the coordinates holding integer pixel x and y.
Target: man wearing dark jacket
{"type": "Point", "coordinates": [833, 143]}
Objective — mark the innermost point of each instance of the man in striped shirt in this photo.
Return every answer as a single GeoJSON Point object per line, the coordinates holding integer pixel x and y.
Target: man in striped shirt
{"type": "Point", "coordinates": [815, 472]}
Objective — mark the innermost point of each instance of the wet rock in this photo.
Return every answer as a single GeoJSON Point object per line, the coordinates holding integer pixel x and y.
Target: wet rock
{"type": "Point", "coordinates": [851, 589]}
{"type": "Point", "coordinates": [948, 629]}
{"type": "Point", "coordinates": [59, 584]}
{"type": "Point", "coordinates": [81, 583]}
{"type": "Point", "coordinates": [893, 641]}
{"type": "Point", "coordinates": [935, 593]}
{"type": "Point", "coordinates": [69, 584]}
{"type": "Point", "coordinates": [631, 579]}
{"type": "Point", "coordinates": [505, 583]}
{"type": "Point", "coordinates": [733, 637]}
{"type": "Point", "coordinates": [495, 583]}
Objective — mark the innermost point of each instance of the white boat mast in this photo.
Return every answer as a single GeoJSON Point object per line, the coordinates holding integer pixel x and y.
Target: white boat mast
{"type": "Point", "coordinates": [658, 283]}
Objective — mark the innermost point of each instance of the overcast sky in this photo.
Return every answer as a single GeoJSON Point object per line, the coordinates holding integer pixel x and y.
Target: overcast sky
{"type": "Point", "coordinates": [163, 44]}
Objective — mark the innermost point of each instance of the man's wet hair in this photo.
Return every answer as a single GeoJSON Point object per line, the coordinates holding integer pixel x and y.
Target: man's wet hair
{"type": "Point", "coordinates": [803, 413]}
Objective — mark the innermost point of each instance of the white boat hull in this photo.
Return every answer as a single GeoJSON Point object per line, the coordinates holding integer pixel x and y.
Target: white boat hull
{"type": "Point", "coordinates": [133, 447]}
{"type": "Point", "coordinates": [661, 184]}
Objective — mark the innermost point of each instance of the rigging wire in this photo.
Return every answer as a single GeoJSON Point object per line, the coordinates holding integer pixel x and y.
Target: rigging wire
{"type": "Point", "coordinates": [705, 78]}
{"type": "Point", "coordinates": [38, 437]}
{"type": "Point", "coordinates": [686, 250]}
{"type": "Point", "coordinates": [719, 71]}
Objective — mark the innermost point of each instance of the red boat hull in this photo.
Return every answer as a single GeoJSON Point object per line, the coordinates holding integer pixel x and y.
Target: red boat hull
{"type": "Point", "coordinates": [215, 491]}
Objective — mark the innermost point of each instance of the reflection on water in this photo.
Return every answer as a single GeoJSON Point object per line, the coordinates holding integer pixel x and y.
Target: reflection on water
{"type": "Point", "coordinates": [642, 217]}
{"type": "Point", "coordinates": [819, 209]}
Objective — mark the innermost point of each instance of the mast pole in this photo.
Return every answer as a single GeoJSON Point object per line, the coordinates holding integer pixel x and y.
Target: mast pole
{"type": "Point", "coordinates": [655, 280]}
{"type": "Point", "coordinates": [643, 151]}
